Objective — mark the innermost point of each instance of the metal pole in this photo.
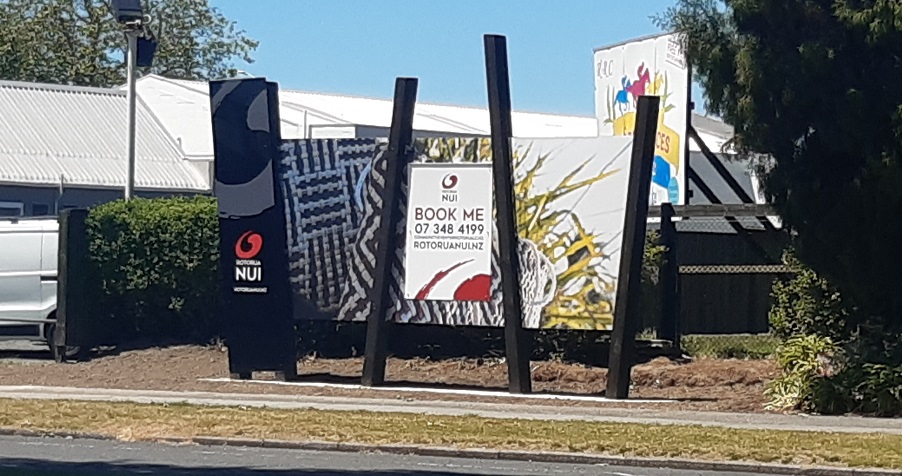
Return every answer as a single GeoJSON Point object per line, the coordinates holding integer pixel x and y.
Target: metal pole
{"type": "Point", "coordinates": [132, 36]}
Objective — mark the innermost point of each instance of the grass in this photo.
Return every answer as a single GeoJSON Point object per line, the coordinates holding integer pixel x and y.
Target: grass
{"type": "Point", "coordinates": [139, 421]}
{"type": "Point", "coordinates": [734, 346]}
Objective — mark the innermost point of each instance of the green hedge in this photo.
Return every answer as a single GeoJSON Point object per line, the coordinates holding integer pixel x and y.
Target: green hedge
{"type": "Point", "coordinates": [730, 346]}
{"type": "Point", "coordinates": [158, 261]}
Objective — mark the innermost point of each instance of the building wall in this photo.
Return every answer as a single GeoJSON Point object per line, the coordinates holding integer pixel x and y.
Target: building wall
{"type": "Point", "coordinates": [44, 200]}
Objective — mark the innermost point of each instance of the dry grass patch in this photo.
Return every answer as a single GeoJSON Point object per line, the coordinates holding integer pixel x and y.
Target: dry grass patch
{"type": "Point", "coordinates": [137, 421]}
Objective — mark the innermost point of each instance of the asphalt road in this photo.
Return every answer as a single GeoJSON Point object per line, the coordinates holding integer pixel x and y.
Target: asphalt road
{"type": "Point", "coordinates": [37, 456]}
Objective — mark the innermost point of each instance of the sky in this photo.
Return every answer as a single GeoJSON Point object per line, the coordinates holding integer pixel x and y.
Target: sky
{"type": "Point", "coordinates": [359, 47]}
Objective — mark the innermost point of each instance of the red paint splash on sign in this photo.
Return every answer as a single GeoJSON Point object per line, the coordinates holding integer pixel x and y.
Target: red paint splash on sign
{"type": "Point", "coordinates": [474, 289]}
{"type": "Point", "coordinates": [425, 290]}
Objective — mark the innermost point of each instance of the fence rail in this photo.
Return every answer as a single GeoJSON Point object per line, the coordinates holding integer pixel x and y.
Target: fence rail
{"type": "Point", "coordinates": [736, 269]}
{"type": "Point", "coordinates": [717, 210]}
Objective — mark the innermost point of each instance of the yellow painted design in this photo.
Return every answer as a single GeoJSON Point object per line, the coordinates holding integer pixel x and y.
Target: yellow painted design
{"type": "Point", "coordinates": [655, 88]}
{"type": "Point", "coordinates": [625, 124]}
{"type": "Point", "coordinates": [667, 144]}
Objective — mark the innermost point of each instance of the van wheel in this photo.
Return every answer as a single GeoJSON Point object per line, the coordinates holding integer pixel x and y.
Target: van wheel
{"type": "Point", "coordinates": [61, 353]}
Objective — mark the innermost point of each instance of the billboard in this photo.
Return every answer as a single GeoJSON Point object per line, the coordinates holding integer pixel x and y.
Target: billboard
{"type": "Point", "coordinates": [449, 232]}
{"type": "Point", "coordinates": [648, 66]}
{"type": "Point", "coordinates": [571, 200]}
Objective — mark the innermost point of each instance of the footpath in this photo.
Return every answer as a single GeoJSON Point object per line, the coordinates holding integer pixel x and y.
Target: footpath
{"type": "Point", "coordinates": [833, 424]}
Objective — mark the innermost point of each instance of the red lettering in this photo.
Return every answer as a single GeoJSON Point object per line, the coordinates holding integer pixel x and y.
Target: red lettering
{"type": "Point", "coordinates": [663, 142]}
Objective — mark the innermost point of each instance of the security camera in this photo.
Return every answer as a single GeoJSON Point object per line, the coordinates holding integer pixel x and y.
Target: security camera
{"type": "Point", "coordinates": [127, 11]}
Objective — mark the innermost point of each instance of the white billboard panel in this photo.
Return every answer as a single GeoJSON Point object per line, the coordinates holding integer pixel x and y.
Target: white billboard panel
{"type": "Point", "coordinates": [649, 66]}
{"type": "Point", "coordinates": [449, 232]}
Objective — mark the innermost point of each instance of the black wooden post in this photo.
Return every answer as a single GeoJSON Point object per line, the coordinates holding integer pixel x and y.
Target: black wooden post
{"type": "Point", "coordinates": [74, 297]}
{"type": "Point", "coordinates": [670, 275]}
{"type": "Point", "coordinates": [626, 307]}
{"type": "Point", "coordinates": [516, 346]}
{"type": "Point", "coordinates": [398, 155]}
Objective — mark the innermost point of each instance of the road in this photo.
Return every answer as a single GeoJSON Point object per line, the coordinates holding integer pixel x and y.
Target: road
{"type": "Point", "coordinates": [35, 456]}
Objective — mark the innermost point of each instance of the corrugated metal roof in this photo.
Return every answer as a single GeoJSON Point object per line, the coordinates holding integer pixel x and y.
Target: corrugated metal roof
{"type": "Point", "coordinates": [49, 131]}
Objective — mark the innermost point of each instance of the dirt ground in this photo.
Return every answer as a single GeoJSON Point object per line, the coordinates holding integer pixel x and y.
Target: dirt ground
{"type": "Point", "coordinates": [713, 385]}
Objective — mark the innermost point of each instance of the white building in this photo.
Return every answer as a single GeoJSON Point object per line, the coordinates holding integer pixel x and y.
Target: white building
{"type": "Point", "coordinates": [64, 146]}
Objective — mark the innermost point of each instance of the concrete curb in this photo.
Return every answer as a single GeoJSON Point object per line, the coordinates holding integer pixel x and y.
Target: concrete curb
{"type": "Point", "coordinates": [508, 455]}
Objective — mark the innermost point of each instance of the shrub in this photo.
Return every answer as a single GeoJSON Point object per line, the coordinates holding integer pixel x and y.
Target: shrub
{"type": "Point", "coordinates": [866, 388]}
{"type": "Point", "coordinates": [815, 321]}
{"type": "Point", "coordinates": [802, 359]}
{"type": "Point", "coordinates": [808, 304]}
{"type": "Point", "coordinates": [158, 263]}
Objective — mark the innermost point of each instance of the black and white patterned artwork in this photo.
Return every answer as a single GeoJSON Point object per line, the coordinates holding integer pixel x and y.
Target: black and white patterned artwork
{"type": "Point", "coordinates": [321, 181]}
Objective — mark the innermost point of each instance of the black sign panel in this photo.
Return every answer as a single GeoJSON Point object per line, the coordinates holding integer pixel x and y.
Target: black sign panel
{"type": "Point", "coordinates": [256, 294]}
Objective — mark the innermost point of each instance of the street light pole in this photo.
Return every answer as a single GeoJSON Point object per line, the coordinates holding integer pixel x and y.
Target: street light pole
{"type": "Point", "coordinates": [132, 36]}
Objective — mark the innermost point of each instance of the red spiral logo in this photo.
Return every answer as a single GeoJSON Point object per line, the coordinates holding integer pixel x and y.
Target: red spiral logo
{"type": "Point", "coordinates": [248, 245]}
{"type": "Point", "coordinates": [450, 181]}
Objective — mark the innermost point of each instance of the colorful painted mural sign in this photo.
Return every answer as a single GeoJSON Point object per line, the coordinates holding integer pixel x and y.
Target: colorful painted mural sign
{"type": "Point", "coordinates": [449, 232]}
{"type": "Point", "coordinates": [648, 66]}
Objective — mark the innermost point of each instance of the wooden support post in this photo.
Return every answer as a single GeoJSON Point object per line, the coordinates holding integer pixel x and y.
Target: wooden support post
{"type": "Point", "coordinates": [516, 346]}
{"type": "Point", "coordinates": [399, 154]}
{"type": "Point", "coordinates": [626, 307]}
{"type": "Point", "coordinates": [74, 298]}
{"type": "Point", "coordinates": [669, 279]}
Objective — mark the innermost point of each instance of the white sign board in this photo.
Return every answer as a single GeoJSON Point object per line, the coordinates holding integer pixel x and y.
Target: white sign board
{"type": "Point", "coordinates": [650, 66]}
{"type": "Point", "coordinates": [448, 245]}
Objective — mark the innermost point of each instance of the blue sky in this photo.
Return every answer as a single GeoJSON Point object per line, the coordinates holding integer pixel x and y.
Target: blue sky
{"type": "Point", "coordinates": [359, 47]}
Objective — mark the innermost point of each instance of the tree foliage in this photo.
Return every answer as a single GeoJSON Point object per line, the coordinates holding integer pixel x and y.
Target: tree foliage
{"type": "Point", "coordinates": [79, 42]}
{"type": "Point", "coordinates": [813, 85]}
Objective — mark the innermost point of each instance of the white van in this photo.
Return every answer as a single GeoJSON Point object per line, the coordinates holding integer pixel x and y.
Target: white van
{"type": "Point", "coordinates": [28, 262]}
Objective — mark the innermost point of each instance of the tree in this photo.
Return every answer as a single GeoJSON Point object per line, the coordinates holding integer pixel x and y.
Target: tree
{"type": "Point", "coordinates": [814, 86]}
{"type": "Point", "coordinates": [79, 42]}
